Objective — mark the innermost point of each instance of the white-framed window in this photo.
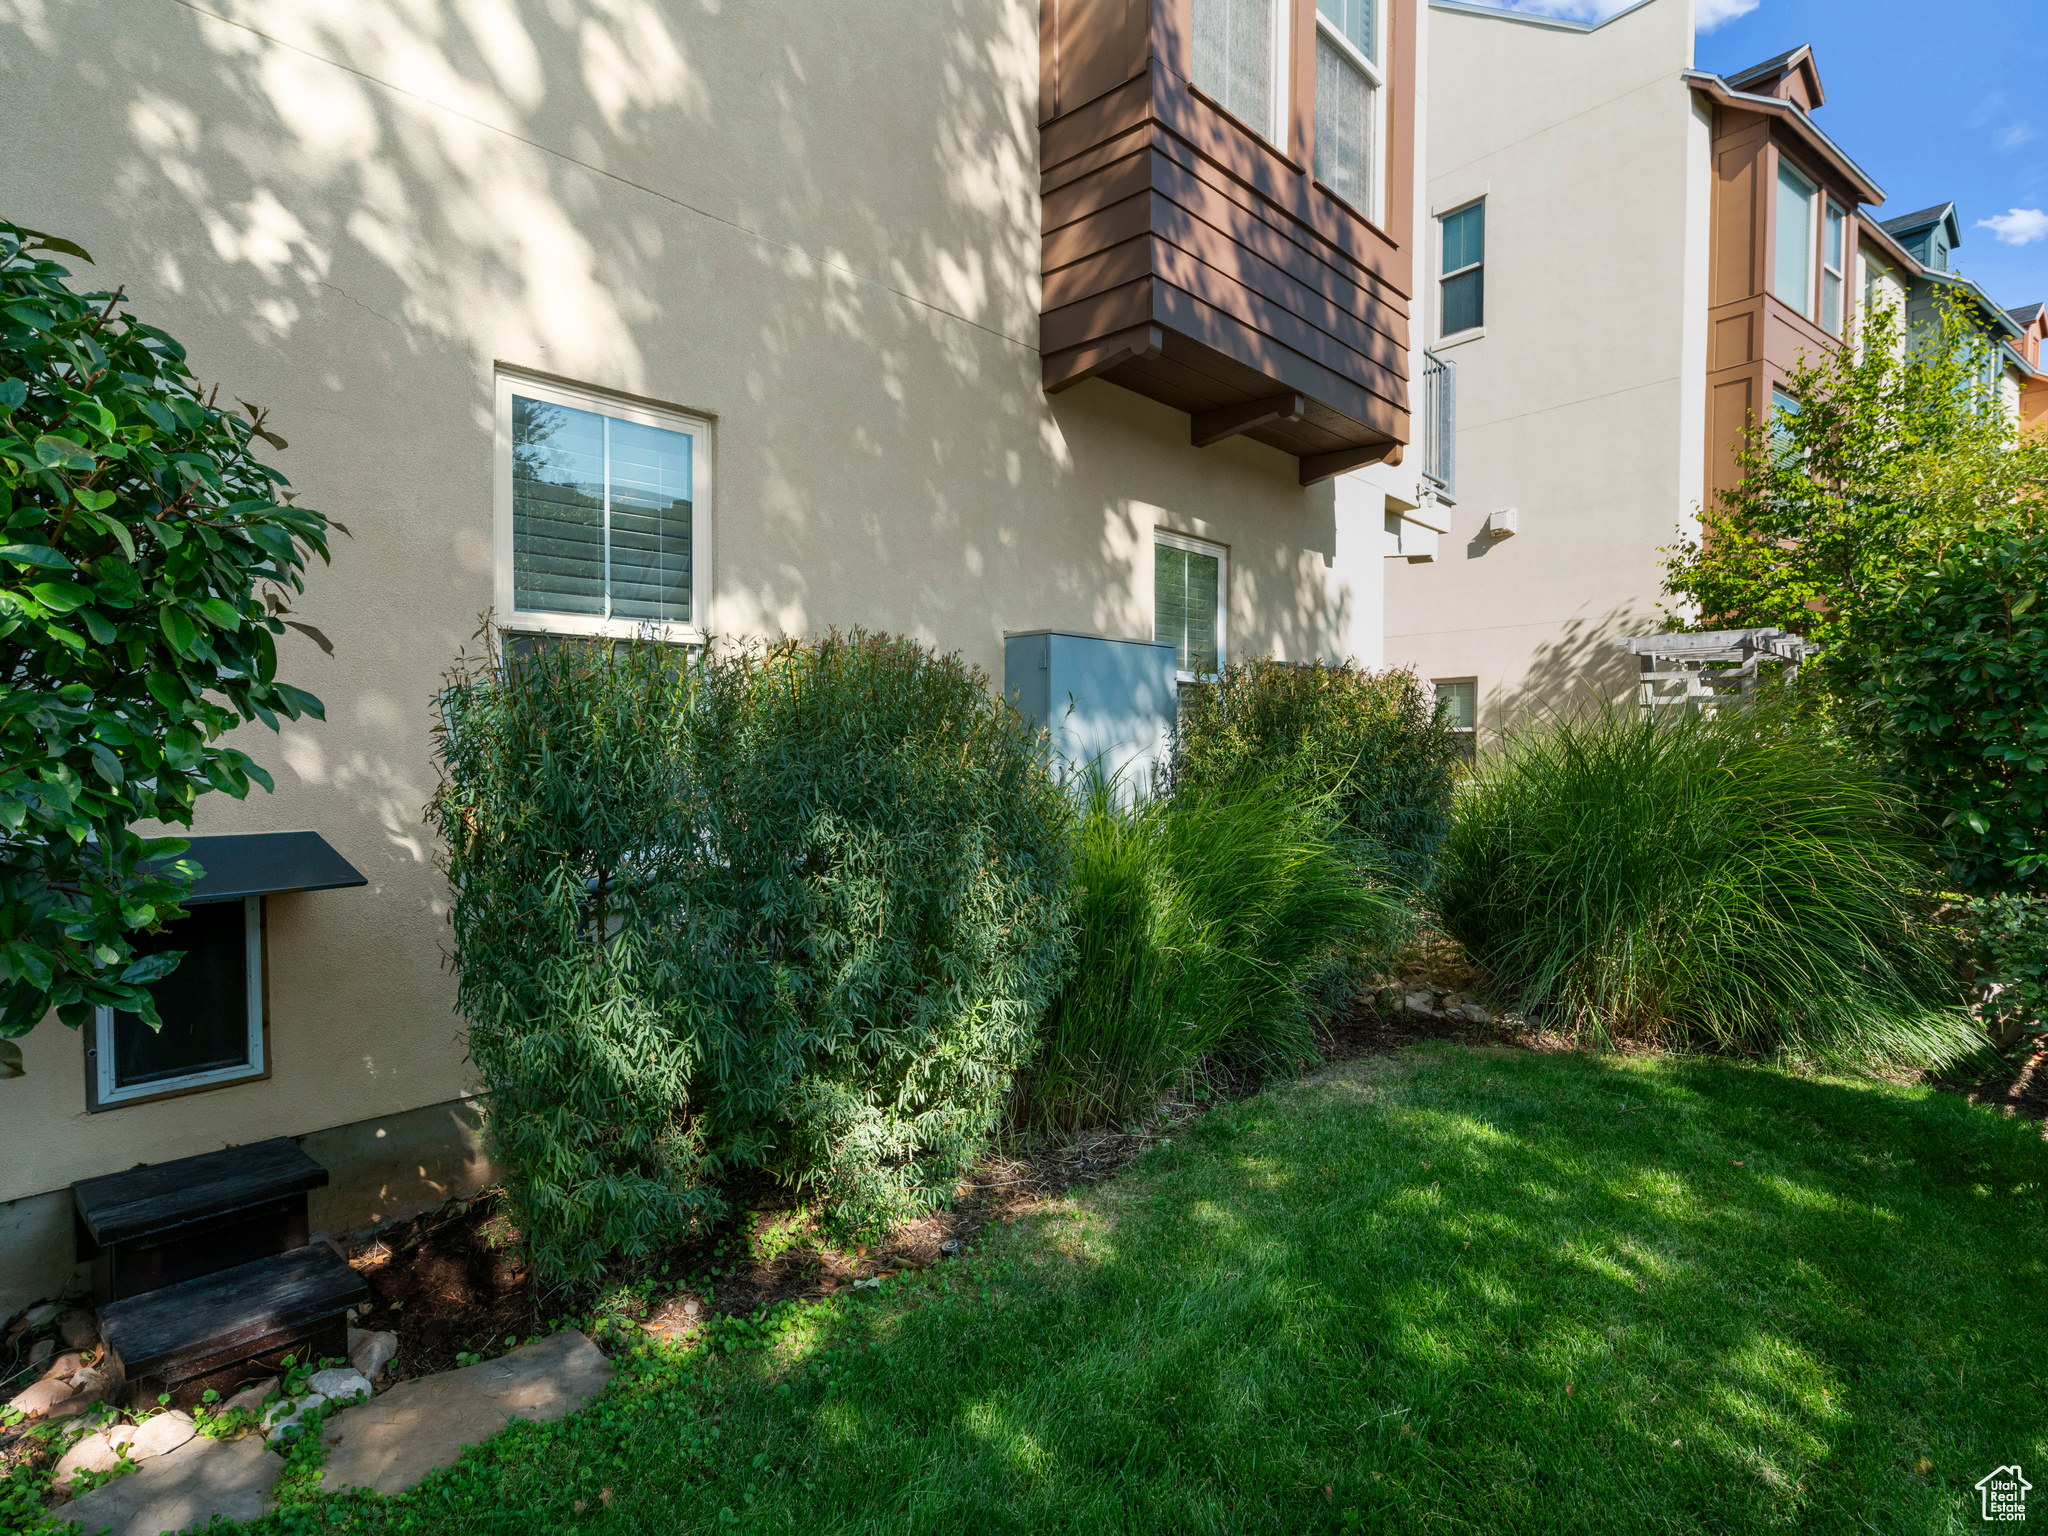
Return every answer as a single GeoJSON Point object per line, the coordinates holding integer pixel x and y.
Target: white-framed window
{"type": "Point", "coordinates": [1240, 60]}
{"type": "Point", "coordinates": [1792, 266]}
{"type": "Point", "coordinates": [602, 524]}
{"type": "Point", "coordinates": [1458, 699]}
{"type": "Point", "coordinates": [1834, 235]}
{"type": "Point", "coordinates": [211, 1007]}
{"type": "Point", "coordinates": [1191, 603]}
{"type": "Point", "coordinates": [1350, 101]}
{"type": "Point", "coordinates": [1462, 287]}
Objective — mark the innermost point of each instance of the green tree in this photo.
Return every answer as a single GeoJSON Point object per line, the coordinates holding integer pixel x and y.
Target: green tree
{"type": "Point", "coordinates": [145, 562]}
{"type": "Point", "coordinates": [1896, 449]}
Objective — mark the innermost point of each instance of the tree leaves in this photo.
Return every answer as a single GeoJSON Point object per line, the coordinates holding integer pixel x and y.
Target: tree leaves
{"type": "Point", "coordinates": [136, 528]}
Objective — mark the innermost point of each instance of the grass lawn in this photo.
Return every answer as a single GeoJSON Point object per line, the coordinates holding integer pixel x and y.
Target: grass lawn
{"type": "Point", "coordinates": [1450, 1290]}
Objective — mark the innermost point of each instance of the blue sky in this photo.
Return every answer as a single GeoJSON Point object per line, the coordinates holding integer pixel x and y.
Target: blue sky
{"type": "Point", "coordinates": [1939, 104]}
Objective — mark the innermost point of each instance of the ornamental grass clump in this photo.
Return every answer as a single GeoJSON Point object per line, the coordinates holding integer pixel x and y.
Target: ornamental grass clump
{"type": "Point", "coordinates": [1743, 880]}
{"type": "Point", "coordinates": [1372, 743]}
{"type": "Point", "coordinates": [795, 908]}
{"type": "Point", "coordinates": [1198, 919]}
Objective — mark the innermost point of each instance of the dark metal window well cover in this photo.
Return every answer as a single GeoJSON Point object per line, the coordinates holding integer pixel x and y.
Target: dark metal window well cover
{"type": "Point", "coordinates": [264, 863]}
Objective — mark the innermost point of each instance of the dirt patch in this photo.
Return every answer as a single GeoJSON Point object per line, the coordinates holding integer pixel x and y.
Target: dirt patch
{"type": "Point", "coordinates": [2016, 1083]}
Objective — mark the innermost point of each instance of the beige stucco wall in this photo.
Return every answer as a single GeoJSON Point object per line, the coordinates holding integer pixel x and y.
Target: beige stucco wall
{"type": "Point", "coordinates": [1581, 405]}
{"type": "Point", "coordinates": [816, 224]}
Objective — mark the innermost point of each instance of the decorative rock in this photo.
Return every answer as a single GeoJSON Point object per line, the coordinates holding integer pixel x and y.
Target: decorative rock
{"type": "Point", "coordinates": [187, 1487]}
{"type": "Point", "coordinates": [339, 1385]}
{"type": "Point", "coordinates": [80, 1330]}
{"type": "Point", "coordinates": [42, 1350]}
{"type": "Point", "coordinates": [39, 1314]}
{"type": "Point", "coordinates": [370, 1352]}
{"type": "Point", "coordinates": [95, 1453]}
{"type": "Point", "coordinates": [1474, 1014]}
{"type": "Point", "coordinates": [161, 1435]}
{"type": "Point", "coordinates": [282, 1420]}
{"type": "Point", "coordinates": [101, 1381]}
{"type": "Point", "coordinates": [67, 1365]}
{"type": "Point", "coordinates": [393, 1441]}
{"type": "Point", "coordinates": [36, 1401]}
{"type": "Point", "coordinates": [1420, 1002]}
{"type": "Point", "coordinates": [69, 1408]}
{"type": "Point", "coordinates": [251, 1397]}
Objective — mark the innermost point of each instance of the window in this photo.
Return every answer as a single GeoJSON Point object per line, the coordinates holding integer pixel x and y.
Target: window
{"type": "Point", "coordinates": [1783, 409]}
{"type": "Point", "coordinates": [1832, 257]}
{"type": "Point", "coordinates": [211, 1007]}
{"type": "Point", "coordinates": [599, 525]}
{"type": "Point", "coordinates": [1458, 700]}
{"type": "Point", "coordinates": [1190, 602]}
{"type": "Point", "coordinates": [1240, 59]}
{"type": "Point", "coordinates": [1464, 272]}
{"type": "Point", "coordinates": [1348, 100]}
{"type": "Point", "coordinates": [1792, 280]}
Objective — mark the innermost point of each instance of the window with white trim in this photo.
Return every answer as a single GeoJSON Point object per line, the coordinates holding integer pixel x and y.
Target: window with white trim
{"type": "Point", "coordinates": [1833, 261]}
{"type": "Point", "coordinates": [1240, 60]}
{"type": "Point", "coordinates": [1457, 699]}
{"type": "Point", "coordinates": [211, 1007]}
{"type": "Point", "coordinates": [601, 526]}
{"type": "Point", "coordinates": [1463, 287]}
{"type": "Point", "coordinates": [1349, 97]}
{"type": "Point", "coordinates": [1191, 603]}
{"type": "Point", "coordinates": [1792, 267]}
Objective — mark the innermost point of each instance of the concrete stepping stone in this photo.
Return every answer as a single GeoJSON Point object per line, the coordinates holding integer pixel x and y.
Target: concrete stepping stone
{"type": "Point", "coordinates": [187, 1487]}
{"type": "Point", "coordinates": [393, 1441]}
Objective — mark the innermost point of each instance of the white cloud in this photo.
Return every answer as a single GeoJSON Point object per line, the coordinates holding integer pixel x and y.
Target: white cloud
{"type": "Point", "coordinates": [2016, 135]}
{"type": "Point", "coordinates": [1986, 110]}
{"type": "Point", "coordinates": [1711, 13]}
{"type": "Point", "coordinates": [1714, 13]}
{"type": "Point", "coordinates": [2022, 226]}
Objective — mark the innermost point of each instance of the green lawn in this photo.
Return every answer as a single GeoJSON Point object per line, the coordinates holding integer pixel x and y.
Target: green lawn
{"type": "Point", "coordinates": [1451, 1290]}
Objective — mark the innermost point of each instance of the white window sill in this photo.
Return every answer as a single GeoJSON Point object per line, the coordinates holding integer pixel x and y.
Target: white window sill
{"type": "Point", "coordinates": [1460, 339]}
{"type": "Point", "coordinates": [526, 622]}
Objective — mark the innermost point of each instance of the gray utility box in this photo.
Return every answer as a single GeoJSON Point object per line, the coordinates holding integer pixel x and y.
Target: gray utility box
{"type": "Point", "coordinates": [1101, 699]}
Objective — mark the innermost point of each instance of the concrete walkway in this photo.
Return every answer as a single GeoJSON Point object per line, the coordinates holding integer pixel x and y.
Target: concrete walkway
{"type": "Point", "coordinates": [388, 1443]}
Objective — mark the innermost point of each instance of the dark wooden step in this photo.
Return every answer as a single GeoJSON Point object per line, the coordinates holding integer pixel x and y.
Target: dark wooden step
{"type": "Point", "coordinates": [183, 1336]}
{"type": "Point", "coordinates": [157, 1226]}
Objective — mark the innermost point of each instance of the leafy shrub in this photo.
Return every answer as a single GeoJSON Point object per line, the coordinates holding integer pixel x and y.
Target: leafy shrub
{"type": "Point", "coordinates": [144, 560]}
{"type": "Point", "coordinates": [797, 908]}
{"type": "Point", "coordinates": [1951, 672]}
{"type": "Point", "coordinates": [1198, 919]}
{"type": "Point", "coordinates": [1742, 879]}
{"type": "Point", "coordinates": [2009, 933]}
{"type": "Point", "coordinates": [884, 913]}
{"type": "Point", "coordinates": [567, 810]}
{"type": "Point", "coordinates": [1371, 741]}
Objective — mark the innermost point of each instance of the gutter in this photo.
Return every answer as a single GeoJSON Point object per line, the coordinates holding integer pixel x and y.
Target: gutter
{"type": "Point", "coordinates": [1787, 112]}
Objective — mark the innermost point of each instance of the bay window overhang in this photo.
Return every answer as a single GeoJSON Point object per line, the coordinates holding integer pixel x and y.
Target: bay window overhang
{"type": "Point", "coordinates": [1190, 254]}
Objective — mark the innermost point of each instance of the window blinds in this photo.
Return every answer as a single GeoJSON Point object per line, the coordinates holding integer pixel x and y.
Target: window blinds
{"type": "Point", "coordinates": [1343, 126]}
{"type": "Point", "coordinates": [1184, 599]}
{"type": "Point", "coordinates": [1233, 57]}
{"type": "Point", "coordinates": [600, 515]}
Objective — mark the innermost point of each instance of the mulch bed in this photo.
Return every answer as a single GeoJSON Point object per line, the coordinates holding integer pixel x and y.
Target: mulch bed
{"type": "Point", "coordinates": [2016, 1083]}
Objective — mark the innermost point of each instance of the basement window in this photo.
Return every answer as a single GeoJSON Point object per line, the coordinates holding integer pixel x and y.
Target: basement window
{"type": "Point", "coordinates": [1190, 603]}
{"type": "Point", "coordinates": [211, 1007]}
{"type": "Point", "coordinates": [1457, 699]}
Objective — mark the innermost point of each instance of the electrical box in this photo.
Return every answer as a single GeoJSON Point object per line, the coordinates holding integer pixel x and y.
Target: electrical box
{"type": "Point", "coordinates": [1501, 524]}
{"type": "Point", "coordinates": [1101, 699]}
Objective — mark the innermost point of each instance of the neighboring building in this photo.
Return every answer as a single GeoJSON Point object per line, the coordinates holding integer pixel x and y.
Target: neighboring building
{"type": "Point", "coordinates": [701, 320]}
{"type": "Point", "coordinates": [1632, 257]}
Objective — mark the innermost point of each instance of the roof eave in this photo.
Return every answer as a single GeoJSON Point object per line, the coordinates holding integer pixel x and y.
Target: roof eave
{"type": "Point", "coordinates": [1790, 112]}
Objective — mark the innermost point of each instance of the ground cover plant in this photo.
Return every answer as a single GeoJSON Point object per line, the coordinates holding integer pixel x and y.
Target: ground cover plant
{"type": "Point", "coordinates": [1450, 1289]}
{"type": "Point", "coordinates": [796, 908]}
{"type": "Point", "coordinates": [147, 562]}
{"type": "Point", "coordinates": [1741, 880]}
{"type": "Point", "coordinates": [1371, 743]}
{"type": "Point", "coordinates": [1198, 919]}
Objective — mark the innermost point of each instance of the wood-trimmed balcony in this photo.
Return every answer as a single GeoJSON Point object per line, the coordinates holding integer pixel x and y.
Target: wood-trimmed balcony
{"type": "Point", "coordinates": [1191, 261]}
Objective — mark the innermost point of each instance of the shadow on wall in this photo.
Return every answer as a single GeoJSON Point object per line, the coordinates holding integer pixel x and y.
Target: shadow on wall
{"type": "Point", "coordinates": [1579, 668]}
{"type": "Point", "coordinates": [692, 200]}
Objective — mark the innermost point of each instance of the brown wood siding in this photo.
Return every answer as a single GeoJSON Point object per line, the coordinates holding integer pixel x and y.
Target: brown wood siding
{"type": "Point", "coordinates": [1188, 259]}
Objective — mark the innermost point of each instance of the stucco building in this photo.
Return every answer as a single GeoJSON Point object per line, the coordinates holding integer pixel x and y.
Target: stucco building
{"type": "Point", "coordinates": [623, 316]}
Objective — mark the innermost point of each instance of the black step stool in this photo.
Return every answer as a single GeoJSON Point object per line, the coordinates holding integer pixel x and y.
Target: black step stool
{"type": "Point", "coordinates": [152, 1227]}
{"type": "Point", "coordinates": [201, 1270]}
